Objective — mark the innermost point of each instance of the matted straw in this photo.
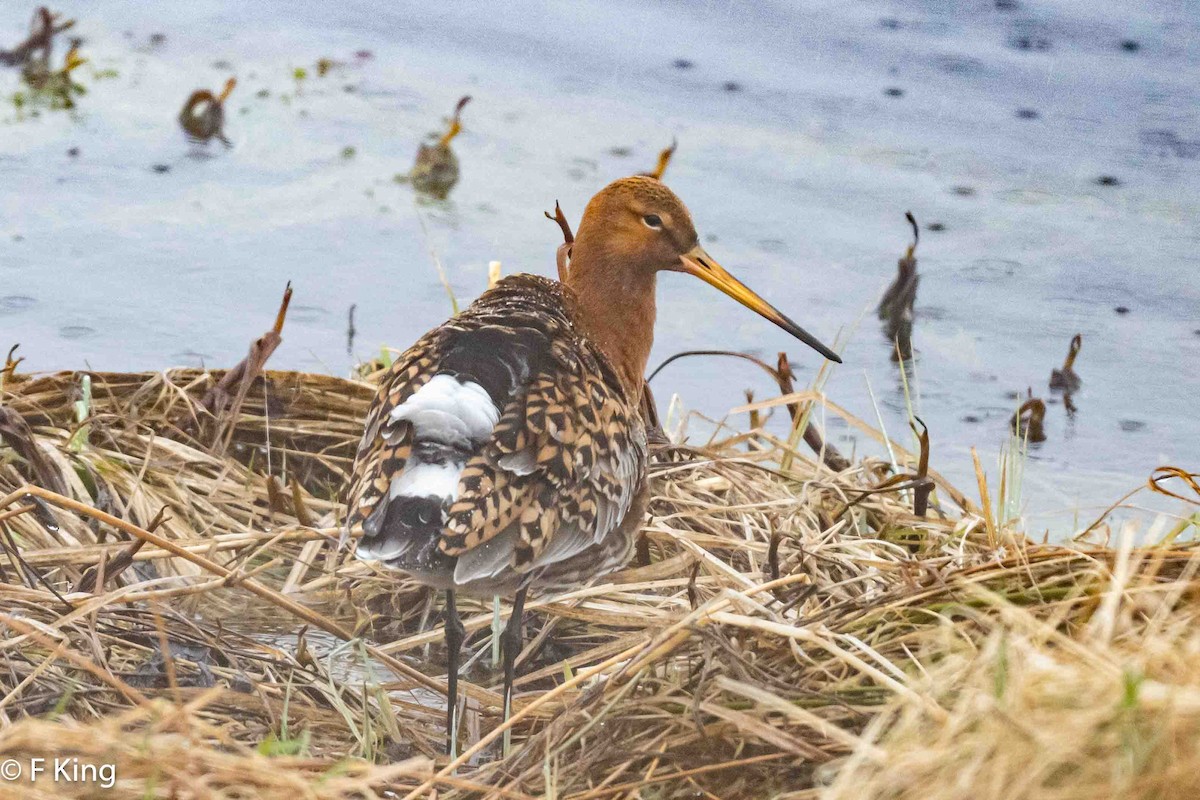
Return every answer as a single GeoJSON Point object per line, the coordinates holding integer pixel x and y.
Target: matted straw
{"type": "Point", "coordinates": [786, 631]}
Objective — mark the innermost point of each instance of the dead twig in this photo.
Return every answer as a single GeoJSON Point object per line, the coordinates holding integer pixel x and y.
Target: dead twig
{"type": "Point", "coordinates": [896, 307]}
{"type": "Point", "coordinates": [43, 29]}
{"type": "Point", "coordinates": [925, 486]}
{"type": "Point", "coordinates": [563, 254]}
{"type": "Point", "coordinates": [783, 376]}
{"type": "Point", "coordinates": [16, 433]}
{"type": "Point", "coordinates": [224, 400]}
{"type": "Point", "coordinates": [664, 158]}
{"type": "Point", "coordinates": [95, 577]}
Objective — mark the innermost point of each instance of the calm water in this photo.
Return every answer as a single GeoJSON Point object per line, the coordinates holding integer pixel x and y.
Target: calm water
{"type": "Point", "coordinates": [805, 131]}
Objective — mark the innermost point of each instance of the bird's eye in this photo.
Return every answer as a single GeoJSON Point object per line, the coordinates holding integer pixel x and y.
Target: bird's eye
{"type": "Point", "coordinates": [652, 221]}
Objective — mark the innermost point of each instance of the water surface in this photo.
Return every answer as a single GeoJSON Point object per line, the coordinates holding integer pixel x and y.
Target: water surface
{"type": "Point", "coordinates": [1055, 144]}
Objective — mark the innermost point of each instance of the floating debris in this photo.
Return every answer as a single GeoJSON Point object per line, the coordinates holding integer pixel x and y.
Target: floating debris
{"type": "Point", "coordinates": [664, 158]}
{"type": "Point", "coordinates": [893, 91]}
{"type": "Point", "coordinates": [1108, 180]}
{"type": "Point", "coordinates": [1027, 421]}
{"type": "Point", "coordinates": [1030, 41]}
{"type": "Point", "coordinates": [1122, 310]}
{"type": "Point", "coordinates": [1131, 45]}
{"type": "Point", "coordinates": [203, 115]}
{"type": "Point", "coordinates": [731, 86]}
{"type": "Point", "coordinates": [436, 169]}
{"type": "Point", "coordinates": [1027, 113]}
{"type": "Point", "coordinates": [1065, 380]}
{"type": "Point", "coordinates": [42, 30]}
{"type": "Point", "coordinates": [896, 307]}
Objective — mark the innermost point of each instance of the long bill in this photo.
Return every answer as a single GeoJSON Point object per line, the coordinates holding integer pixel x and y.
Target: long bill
{"type": "Point", "coordinates": [703, 266]}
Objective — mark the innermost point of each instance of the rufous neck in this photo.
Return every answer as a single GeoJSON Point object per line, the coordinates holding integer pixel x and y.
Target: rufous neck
{"type": "Point", "coordinates": [614, 306]}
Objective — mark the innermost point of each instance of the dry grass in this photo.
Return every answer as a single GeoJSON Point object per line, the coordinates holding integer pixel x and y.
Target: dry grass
{"type": "Point", "coordinates": [791, 634]}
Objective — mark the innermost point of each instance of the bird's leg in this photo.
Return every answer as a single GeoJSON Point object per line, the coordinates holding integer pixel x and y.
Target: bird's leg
{"type": "Point", "coordinates": [511, 648]}
{"type": "Point", "coordinates": [455, 633]}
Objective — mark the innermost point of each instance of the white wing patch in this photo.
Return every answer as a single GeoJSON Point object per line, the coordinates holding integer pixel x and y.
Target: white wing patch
{"type": "Point", "coordinates": [427, 480]}
{"type": "Point", "coordinates": [446, 409]}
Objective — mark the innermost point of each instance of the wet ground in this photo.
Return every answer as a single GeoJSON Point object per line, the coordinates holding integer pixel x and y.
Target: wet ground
{"type": "Point", "coordinates": [1051, 151]}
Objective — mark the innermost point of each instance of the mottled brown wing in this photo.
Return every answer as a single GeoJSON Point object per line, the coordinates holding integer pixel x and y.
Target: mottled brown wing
{"type": "Point", "coordinates": [567, 456]}
{"type": "Point", "coordinates": [385, 444]}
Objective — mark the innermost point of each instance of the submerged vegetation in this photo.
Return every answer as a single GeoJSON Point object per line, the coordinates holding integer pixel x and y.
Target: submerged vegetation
{"type": "Point", "coordinates": [45, 84]}
{"type": "Point", "coordinates": [436, 168]}
{"type": "Point", "coordinates": [173, 602]}
{"type": "Point", "coordinates": [203, 115]}
{"type": "Point", "coordinates": [895, 309]}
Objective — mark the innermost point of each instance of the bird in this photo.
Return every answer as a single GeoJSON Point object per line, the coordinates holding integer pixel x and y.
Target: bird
{"type": "Point", "coordinates": [203, 114]}
{"type": "Point", "coordinates": [1066, 380]}
{"type": "Point", "coordinates": [505, 449]}
{"type": "Point", "coordinates": [436, 169]}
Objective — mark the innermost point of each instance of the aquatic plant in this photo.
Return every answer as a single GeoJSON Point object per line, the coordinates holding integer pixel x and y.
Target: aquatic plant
{"type": "Point", "coordinates": [435, 171]}
{"type": "Point", "coordinates": [896, 306]}
{"type": "Point", "coordinates": [43, 29]}
{"type": "Point", "coordinates": [1066, 380]}
{"type": "Point", "coordinates": [53, 88]}
{"type": "Point", "coordinates": [203, 113]}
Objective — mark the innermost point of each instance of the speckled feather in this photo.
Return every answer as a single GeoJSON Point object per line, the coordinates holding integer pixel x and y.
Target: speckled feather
{"type": "Point", "coordinates": [567, 454]}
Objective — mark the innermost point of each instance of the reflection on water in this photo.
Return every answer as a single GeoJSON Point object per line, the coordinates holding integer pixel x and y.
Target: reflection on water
{"type": "Point", "coordinates": [1053, 145]}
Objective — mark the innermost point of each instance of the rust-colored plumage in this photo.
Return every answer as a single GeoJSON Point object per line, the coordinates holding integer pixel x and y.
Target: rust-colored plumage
{"type": "Point", "coordinates": [506, 448]}
{"type": "Point", "coordinates": [566, 457]}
